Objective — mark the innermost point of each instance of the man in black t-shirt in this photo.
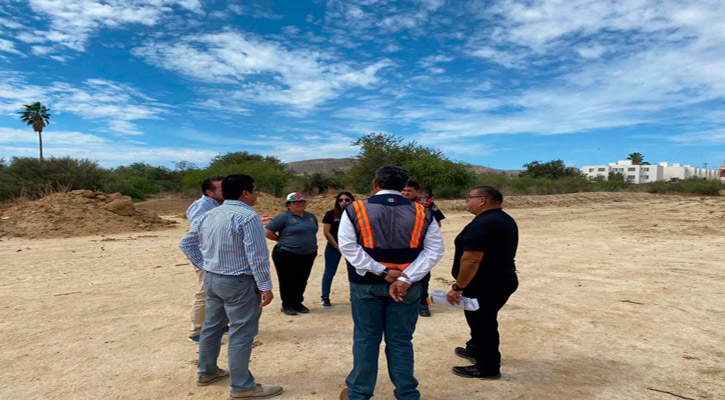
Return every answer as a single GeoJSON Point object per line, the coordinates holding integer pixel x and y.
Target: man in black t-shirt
{"type": "Point", "coordinates": [484, 268]}
{"type": "Point", "coordinates": [411, 191]}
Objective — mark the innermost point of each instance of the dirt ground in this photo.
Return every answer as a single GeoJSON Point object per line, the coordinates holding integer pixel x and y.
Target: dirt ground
{"type": "Point", "coordinates": [620, 297]}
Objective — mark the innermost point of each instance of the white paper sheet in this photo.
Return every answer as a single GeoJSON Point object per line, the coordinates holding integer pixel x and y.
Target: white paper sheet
{"type": "Point", "coordinates": [439, 297]}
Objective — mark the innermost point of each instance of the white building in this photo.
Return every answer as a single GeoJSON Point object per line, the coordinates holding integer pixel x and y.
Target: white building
{"type": "Point", "coordinates": [648, 173]}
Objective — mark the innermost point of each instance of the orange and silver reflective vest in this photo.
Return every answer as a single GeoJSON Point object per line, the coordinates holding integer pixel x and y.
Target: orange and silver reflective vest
{"type": "Point", "coordinates": [391, 229]}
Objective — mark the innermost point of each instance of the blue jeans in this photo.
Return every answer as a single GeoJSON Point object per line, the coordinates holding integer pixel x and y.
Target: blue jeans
{"type": "Point", "coordinates": [332, 260]}
{"type": "Point", "coordinates": [236, 298]}
{"type": "Point", "coordinates": [375, 313]}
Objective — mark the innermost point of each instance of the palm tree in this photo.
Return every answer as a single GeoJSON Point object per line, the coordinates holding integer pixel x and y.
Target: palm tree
{"type": "Point", "coordinates": [36, 115]}
{"type": "Point", "coordinates": [637, 158]}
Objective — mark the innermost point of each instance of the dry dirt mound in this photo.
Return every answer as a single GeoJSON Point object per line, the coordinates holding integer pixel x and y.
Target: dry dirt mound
{"type": "Point", "coordinates": [77, 213]}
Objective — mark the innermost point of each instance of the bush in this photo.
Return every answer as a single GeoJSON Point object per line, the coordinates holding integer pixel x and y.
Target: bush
{"type": "Point", "coordinates": [691, 185]}
{"type": "Point", "coordinates": [145, 179]}
{"type": "Point", "coordinates": [268, 178]}
{"type": "Point", "coordinates": [427, 166]}
{"type": "Point", "coordinates": [28, 176]}
{"type": "Point", "coordinates": [319, 183]}
{"type": "Point", "coordinates": [554, 169]}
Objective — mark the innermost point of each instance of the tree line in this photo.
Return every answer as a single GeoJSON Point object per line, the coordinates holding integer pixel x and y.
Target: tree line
{"type": "Point", "coordinates": [438, 175]}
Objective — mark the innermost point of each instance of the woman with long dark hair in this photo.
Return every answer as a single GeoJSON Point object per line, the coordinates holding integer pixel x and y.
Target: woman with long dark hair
{"type": "Point", "coordinates": [330, 225]}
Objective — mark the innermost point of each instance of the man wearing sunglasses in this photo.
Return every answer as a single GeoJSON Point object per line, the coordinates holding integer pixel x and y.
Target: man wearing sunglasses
{"type": "Point", "coordinates": [484, 268]}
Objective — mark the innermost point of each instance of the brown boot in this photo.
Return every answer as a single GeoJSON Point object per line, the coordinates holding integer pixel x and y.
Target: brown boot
{"type": "Point", "coordinates": [343, 395]}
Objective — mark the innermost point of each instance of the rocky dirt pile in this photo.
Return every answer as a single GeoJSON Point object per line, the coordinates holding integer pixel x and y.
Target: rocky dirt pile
{"type": "Point", "coordinates": [77, 213]}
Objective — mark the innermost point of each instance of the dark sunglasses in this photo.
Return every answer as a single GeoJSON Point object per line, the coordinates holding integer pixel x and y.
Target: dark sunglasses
{"type": "Point", "coordinates": [344, 200]}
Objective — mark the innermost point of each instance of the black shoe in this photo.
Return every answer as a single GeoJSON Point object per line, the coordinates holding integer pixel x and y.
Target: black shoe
{"type": "Point", "coordinates": [463, 353]}
{"type": "Point", "coordinates": [473, 372]}
{"type": "Point", "coordinates": [424, 311]}
{"type": "Point", "coordinates": [289, 310]}
{"type": "Point", "coordinates": [326, 302]}
{"type": "Point", "coordinates": [302, 309]}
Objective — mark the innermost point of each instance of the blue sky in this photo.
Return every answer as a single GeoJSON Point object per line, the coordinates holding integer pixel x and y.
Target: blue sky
{"type": "Point", "coordinates": [497, 83]}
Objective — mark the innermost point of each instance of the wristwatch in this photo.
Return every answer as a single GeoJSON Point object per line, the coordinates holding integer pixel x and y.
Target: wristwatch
{"type": "Point", "coordinates": [384, 273]}
{"type": "Point", "coordinates": [457, 288]}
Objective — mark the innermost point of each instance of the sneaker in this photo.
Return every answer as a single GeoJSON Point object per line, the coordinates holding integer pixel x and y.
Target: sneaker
{"type": "Point", "coordinates": [302, 309]}
{"type": "Point", "coordinates": [289, 310]}
{"type": "Point", "coordinates": [206, 380]}
{"type": "Point", "coordinates": [326, 302]}
{"type": "Point", "coordinates": [194, 339]}
{"type": "Point", "coordinates": [463, 353]}
{"type": "Point", "coordinates": [473, 372]}
{"type": "Point", "coordinates": [259, 392]}
{"type": "Point", "coordinates": [424, 311]}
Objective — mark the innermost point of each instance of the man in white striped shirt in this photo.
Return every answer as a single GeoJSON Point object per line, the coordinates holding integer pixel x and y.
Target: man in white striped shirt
{"type": "Point", "coordinates": [211, 198]}
{"type": "Point", "coordinates": [228, 243]}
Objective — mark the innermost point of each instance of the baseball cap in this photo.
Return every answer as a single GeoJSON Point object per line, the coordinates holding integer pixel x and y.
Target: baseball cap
{"type": "Point", "coordinates": [294, 196]}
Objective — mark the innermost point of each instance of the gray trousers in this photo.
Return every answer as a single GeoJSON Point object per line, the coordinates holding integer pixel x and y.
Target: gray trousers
{"type": "Point", "coordinates": [236, 298]}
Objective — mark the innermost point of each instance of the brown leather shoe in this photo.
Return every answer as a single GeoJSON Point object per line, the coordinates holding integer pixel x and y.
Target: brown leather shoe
{"type": "Point", "coordinates": [343, 395]}
{"type": "Point", "coordinates": [259, 392]}
{"type": "Point", "coordinates": [206, 380]}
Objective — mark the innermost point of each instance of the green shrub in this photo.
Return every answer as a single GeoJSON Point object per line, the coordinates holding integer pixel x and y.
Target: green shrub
{"type": "Point", "coordinates": [28, 176]}
{"type": "Point", "coordinates": [268, 178]}
{"type": "Point", "coordinates": [691, 185]}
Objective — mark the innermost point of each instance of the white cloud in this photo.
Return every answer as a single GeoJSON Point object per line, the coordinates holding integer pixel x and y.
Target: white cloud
{"type": "Point", "coordinates": [117, 104]}
{"type": "Point", "coordinates": [260, 70]}
{"type": "Point", "coordinates": [607, 64]}
{"type": "Point", "coordinates": [8, 47]}
{"type": "Point", "coordinates": [109, 153]}
{"type": "Point", "coordinates": [41, 50]}
{"type": "Point", "coordinates": [73, 22]}
{"type": "Point", "coordinates": [712, 137]}
{"type": "Point", "coordinates": [34, 37]}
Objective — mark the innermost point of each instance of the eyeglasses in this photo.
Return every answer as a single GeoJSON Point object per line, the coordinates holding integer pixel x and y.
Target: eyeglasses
{"type": "Point", "coordinates": [344, 200]}
{"type": "Point", "coordinates": [469, 197]}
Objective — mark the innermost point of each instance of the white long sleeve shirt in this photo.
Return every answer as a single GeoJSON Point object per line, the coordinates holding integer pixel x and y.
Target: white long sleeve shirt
{"type": "Point", "coordinates": [363, 263]}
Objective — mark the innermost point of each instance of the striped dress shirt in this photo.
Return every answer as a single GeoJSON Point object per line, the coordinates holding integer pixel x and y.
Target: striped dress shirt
{"type": "Point", "coordinates": [202, 205]}
{"type": "Point", "coordinates": [229, 240]}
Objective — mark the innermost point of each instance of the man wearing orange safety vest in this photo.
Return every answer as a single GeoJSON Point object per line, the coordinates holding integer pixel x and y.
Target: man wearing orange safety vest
{"type": "Point", "coordinates": [390, 244]}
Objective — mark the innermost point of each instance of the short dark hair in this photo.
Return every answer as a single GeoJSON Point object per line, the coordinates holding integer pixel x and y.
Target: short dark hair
{"type": "Point", "coordinates": [415, 185]}
{"type": "Point", "coordinates": [208, 183]}
{"type": "Point", "coordinates": [234, 185]}
{"type": "Point", "coordinates": [491, 193]}
{"type": "Point", "coordinates": [391, 177]}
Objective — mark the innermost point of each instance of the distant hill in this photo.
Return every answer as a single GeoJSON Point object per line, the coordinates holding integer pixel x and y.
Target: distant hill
{"type": "Point", "coordinates": [320, 165]}
{"type": "Point", "coordinates": [325, 165]}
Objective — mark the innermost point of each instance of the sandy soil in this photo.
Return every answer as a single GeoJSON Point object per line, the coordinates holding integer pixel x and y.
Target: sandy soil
{"type": "Point", "coordinates": [621, 297]}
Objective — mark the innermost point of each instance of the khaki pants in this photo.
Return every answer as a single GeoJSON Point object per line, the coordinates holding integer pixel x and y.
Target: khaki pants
{"type": "Point", "coordinates": [199, 305]}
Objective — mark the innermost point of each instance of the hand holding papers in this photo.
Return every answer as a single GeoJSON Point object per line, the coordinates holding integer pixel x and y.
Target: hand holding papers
{"type": "Point", "coordinates": [439, 297]}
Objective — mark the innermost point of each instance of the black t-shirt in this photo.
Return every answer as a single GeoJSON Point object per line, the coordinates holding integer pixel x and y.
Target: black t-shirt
{"type": "Point", "coordinates": [330, 218]}
{"type": "Point", "coordinates": [496, 234]}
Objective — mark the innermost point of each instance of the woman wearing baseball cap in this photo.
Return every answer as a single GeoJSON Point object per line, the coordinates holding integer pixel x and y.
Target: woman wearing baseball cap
{"type": "Point", "coordinates": [295, 230]}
